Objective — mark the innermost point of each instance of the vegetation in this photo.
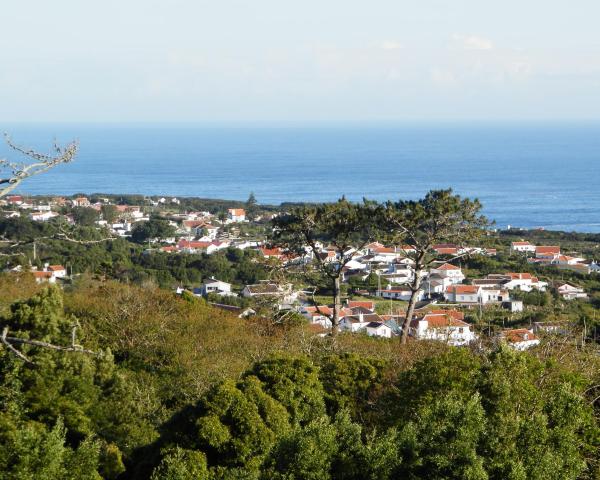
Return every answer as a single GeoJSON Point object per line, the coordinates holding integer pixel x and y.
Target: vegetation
{"type": "Point", "coordinates": [181, 390]}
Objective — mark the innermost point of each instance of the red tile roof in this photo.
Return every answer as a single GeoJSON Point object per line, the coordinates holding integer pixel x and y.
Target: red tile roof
{"type": "Point", "coordinates": [518, 335]}
{"type": "Point", "coordinates": [462, 289]}
{"type": "Point", "coordinates": [437, 320]}
{"type": "Point", "coordinates": [547, 250]}
{"type": "Point", "coordinates": [453, 313]}
{"type": "Point", "coordinates": [367, 305]}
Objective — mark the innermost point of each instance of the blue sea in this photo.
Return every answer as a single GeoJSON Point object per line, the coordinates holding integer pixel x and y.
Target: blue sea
{"type": "Point", "coordinates": [526, 175]}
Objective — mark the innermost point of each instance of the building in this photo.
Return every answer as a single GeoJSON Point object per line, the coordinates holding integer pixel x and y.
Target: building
{"type": "Point", "coordinates": [449, 271]}
{"type": "Point", "coordinates": [80, 202]}
{"type": "Point", "coordinates": [549, 252]}
{"type": "Point", "coordinates": [236, 215]}
{"type": "Point", "coordinates": [522, 247]}
{"type": "Point", "coordinates": [359, 322]}
{"type": "Point", "coordinates": [570, 292]}
{"type": "Point", "coordinates": [463, 294]}
{"type": "Point", "coordinates": [513, 306]}
{"type": "Point", "coordinates": [379, 329]}
{"type": "Point", "coordinates": [50, 273]}
{"type": "Point", "coordinates": [398, 293]}
{"type": "Point", "coordinates": [445, 327]}
{"type": "Point", "coordinates": [212, 285]}
{"type": "Point", "coordinates": [519, 339]}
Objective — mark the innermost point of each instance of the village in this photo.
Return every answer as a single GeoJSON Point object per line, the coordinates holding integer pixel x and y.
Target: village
{"type": "Point", "coordinates": [446, 299]}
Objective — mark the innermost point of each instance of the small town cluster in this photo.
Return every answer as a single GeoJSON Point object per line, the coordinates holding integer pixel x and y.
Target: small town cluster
{"type": "Point", "coordinates": [444, 296]}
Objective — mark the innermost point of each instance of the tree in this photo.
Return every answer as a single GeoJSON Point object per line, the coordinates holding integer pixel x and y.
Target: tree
{"type": "Point", "coordinates": [14, 173]}
{"type": "Point", "coordinates": [439, 217]}
{"type": "Point", "coordinates": [85, 216]}
{"type": "Point", "coordinates": [109, 213]}
{"type": "Point", "coordinates": [155, 228]}
{"type": "Point", "coordinates": [344, 226]}
{"type": "Point", "coordinates": [251, 206]}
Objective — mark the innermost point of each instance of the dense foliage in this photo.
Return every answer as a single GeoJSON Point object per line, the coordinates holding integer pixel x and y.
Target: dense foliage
{"type": "Point", "coordinates": [179, 390]}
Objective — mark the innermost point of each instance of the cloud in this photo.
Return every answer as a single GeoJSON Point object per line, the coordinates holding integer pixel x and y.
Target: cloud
{"type": "Point", "coordinates": [473, 42]}
{"type": "Point", "coordinates": [390, 45]}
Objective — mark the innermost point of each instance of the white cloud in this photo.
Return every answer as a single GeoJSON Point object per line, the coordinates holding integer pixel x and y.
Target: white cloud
{"type": "Point", "coordinates": [390, 45]}
{"type": "Point", "coordinates": [473, 42]}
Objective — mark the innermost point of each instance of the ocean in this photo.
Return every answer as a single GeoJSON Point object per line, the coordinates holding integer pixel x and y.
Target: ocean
{"type": "Point", "coordinates": [526, 175]}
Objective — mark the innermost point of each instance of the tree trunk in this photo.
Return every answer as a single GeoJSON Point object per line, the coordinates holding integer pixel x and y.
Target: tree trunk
{"type": "Point", "coordinates": [415, 288]}
{"type": "Point", "coordinates": [337, 306]}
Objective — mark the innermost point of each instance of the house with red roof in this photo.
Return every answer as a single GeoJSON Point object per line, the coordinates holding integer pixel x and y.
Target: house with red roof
{"type": "Point", "coordinates": [448, 271]}
{"type": "Point", "coordinates": [398, 293]}
{"type": "Point", "coordinates": [522, 247]}
{"type": "Point", "coordinates": [445, 327]}
{"type": "Point", "coordinates": [468, 294]}
{"type": "Point", "coordinates": [236, 215]}
{"type": "Point", "coordinates": [547, 251]}
{"type": "Point", "coordinates": [519, 338]}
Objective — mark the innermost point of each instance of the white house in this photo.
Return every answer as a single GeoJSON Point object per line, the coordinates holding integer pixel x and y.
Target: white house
{"type": "Point", "coordinates": [398, 293]}
{"type": "Point", "coordinates": [42, 216]}
{"type": "Point", "coordinates": [525, 282]}
{"type": "Point", "coordinates": [50, 273]}
{"type": "Point", "coordinates": [446, 327]}
{"type": "Point", "coordinates": [357, 323]}
{"type": "Point", "coordinates": [494, 295]}
{"type": "Point", "coordinates": [520, 338]}
{"type": "Point", "coordinates": [522, 247]}
{"type": "Point", "coordinates": [213, 285]}
{"type": "Point", "coordinates": [236, 215]}
{"type": "Point", "coordinates": [570, 292]}
{"type": "Point", "coordinates": [379, 329]}
{"type": "Point", "coordinates": [567, 260]}
{"type": "Point", "coordinates": [447, 270]}
{"type": "Point", "coordinates": [463, 293]}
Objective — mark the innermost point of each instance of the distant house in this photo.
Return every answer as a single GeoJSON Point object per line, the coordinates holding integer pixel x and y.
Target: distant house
{"type": "Point", "coordinates": [236, 215]}
{"type": "Point", "coordinates": [522, 247]}
{"type": "Point", "coordinates": [50, 273]}
{"type": "Point", "coordinates": [322, 314]}
{"type": "Point", "coordinates": [525, 282]}
{"type": "Point", "coordinates": [463, 293]}
{"type": "Point", "coordinates": [519, 339]}
{"type": "Point", "coordinates": [510, 281]}
{"type": "Point", "coordinates": [449, 271]}
{"type": "Point", "coordinates": [43, 276]}
{"type": "Point", "coordinates": [398, 293]}
{"type": "Point", "coordinates": [271, 252]}
{"type": "Point", "coordinates": [446, 327]}
{"type": "Point", "coordinates": [369, 305]}
{"type": "Point", "coordinates": [58, 271]}
{"type": "Point", "coordinates": [547, 251]}
{"type": "Point", "coordinates": [559, 328]}
{"type": "Point", "coordinates": [359, 321]}
{"type": "Point", "coordinates": [261, 289]}
{"type": "Point", "coordinates": [212, 285]}
{"type": "Point", "coordinates": [80, 202]}
{"type": "Point", "coordinates": [15, 200]}
{"type": "Point", "coordinates": [494, 295]}
{"type": "Point", "coordinates": [567, 260]}
{"type": "Point", "coordinates": [265, 289]}
{"type": "Point", "coordinates": [42, 216]}
{"type": "Point", "coordinates": [513, 306]}
{"type": "Point", "coordinates": [379, 329]}
{"type": "Point", "coordinates": [570, 292]}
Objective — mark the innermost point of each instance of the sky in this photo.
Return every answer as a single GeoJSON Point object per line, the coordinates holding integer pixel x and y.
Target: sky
{"type": "Point", "coordinates": [229, 61]}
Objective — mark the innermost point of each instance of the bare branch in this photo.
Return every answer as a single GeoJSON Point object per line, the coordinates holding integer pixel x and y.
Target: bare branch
{"type": "Point", "coordinates": [9, 341]}
{"type": "Point", "coordinates": [15, 172]}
